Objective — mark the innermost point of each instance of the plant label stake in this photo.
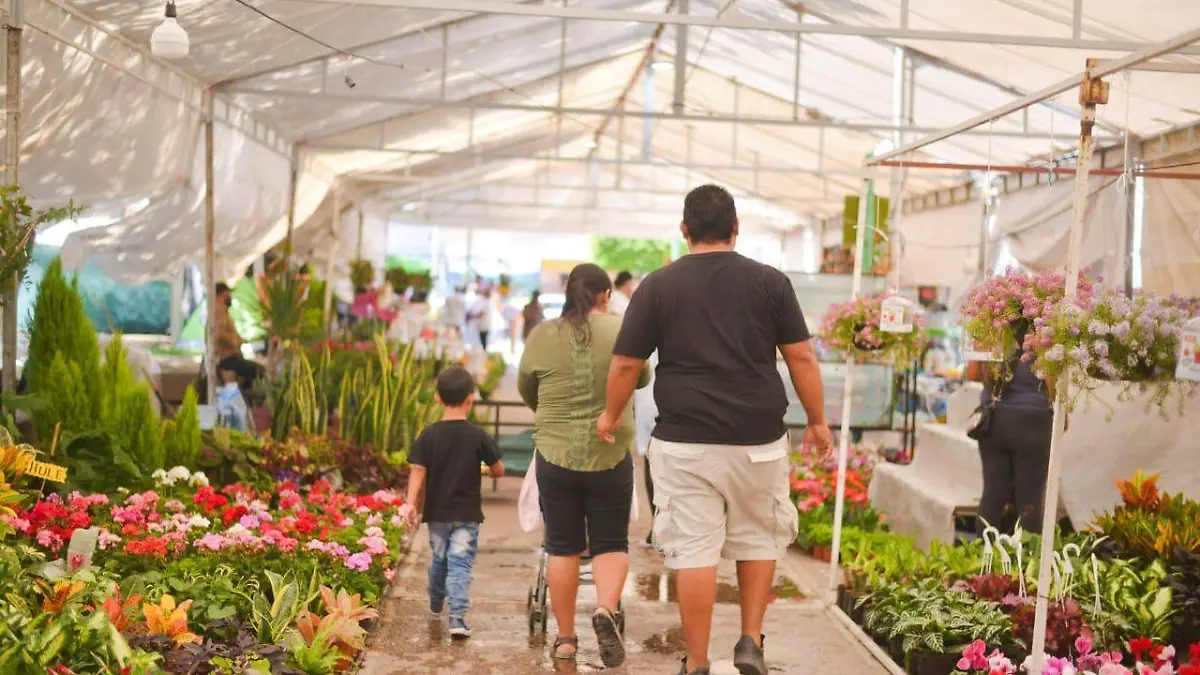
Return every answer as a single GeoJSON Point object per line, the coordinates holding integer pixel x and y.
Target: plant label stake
{"type": "Point", "coordinates": [896, 315]}
{"type": "Point", "coordinates": [1188, 367]}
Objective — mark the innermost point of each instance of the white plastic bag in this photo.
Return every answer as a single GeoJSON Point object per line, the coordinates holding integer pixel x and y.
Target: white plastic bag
{"type": "Point", "coordinates": [529, 509]}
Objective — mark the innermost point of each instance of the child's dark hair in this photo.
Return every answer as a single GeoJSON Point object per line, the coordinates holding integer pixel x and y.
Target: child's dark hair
{"type": "Point", "coordinates": [454, 385]}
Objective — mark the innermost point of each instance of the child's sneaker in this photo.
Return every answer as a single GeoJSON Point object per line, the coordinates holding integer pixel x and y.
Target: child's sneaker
{"type": "Point", "coordinates": [459, 628]}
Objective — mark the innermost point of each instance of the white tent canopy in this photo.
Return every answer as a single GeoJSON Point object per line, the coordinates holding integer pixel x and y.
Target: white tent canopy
{"type": "Point", "coordinates": [535, 116]}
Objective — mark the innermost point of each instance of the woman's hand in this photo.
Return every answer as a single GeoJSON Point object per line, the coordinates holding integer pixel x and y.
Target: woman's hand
{"type": "Point", "coordinates": [606, 425]}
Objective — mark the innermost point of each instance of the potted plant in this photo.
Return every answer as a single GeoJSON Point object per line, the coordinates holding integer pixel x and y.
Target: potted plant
{"type": "Point", "coordinates": [1006, 306]}
{"type": "Point", "coordinates": [399, 278]}
{"type": "Point", "coordinates": [362, 274]}
{"type": "Point", "coordinates": [1133, 340]}
{"type": "Point", "coordinates": [852, 328]}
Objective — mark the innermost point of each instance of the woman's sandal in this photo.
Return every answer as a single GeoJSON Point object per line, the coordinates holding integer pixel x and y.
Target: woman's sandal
{"type": "Point", "coordinates": [564, 641]}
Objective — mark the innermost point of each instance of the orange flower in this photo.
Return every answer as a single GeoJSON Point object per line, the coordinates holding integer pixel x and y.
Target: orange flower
{"type": "Point", "coordinates": [170, 620]}
{"type": "Point", "coordinates": [118, 610]}
{"type": "Point", "coordinates": [55, 598]}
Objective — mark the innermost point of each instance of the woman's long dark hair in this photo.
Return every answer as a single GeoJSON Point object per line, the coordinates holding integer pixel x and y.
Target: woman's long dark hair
{"type": "Point", "coordinates": [584, 285]}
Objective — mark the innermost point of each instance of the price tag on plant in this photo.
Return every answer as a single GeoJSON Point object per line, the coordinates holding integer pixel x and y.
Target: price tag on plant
{"type": "Point", "coordinates": [896, 315]}
{"type": "Point", "coordinates": [1188, 367]}
{"type": "Point", "coordinates": [971, 352]}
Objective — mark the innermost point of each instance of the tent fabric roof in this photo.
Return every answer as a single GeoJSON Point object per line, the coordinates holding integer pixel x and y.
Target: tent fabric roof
{"type": "Point", "coordinates": [442, 124]}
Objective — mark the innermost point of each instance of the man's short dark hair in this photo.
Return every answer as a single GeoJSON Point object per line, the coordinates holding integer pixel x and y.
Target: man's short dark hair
{"type": "Point", "coordinates": [222, 288]}
{"type": "Point", "coordinates": [623, 277]}
{"type": "Point", "coordinates": [454, 385]}
{"type": "Point", "coordinates": [709, 214]}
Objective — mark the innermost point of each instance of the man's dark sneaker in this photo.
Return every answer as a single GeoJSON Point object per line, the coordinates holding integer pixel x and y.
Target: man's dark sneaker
{"type": "Point", "coordinates": [436, 608]}
{"type": "Point", "coordinates": [683, 669]}
{"type": "Point", "coordinates": [748, 657]}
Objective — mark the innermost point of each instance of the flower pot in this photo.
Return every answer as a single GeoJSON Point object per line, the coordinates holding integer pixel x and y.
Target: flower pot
{"type": "Point", "coordinates": [841, 599]}
{"type": "Point", "coordinates": [928, 663]}
{"type": "Point", "coordinates": [895, 648]}
{"type": "Point", "coordinates": [857, 612]}
{"type": "Point", "coordinates": [822, 553]}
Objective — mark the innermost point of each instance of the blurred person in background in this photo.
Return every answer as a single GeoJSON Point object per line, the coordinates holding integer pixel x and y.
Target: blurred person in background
{"type": "Point", "coordinates": [533, 315]}
{"type": "Point", "coordinates": [454, 312]}
{"type": "Point", "coordinates": [622, 292]}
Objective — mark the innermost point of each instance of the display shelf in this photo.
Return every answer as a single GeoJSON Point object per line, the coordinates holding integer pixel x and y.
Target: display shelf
{"type": "Point", "coordinates": [872, 400]}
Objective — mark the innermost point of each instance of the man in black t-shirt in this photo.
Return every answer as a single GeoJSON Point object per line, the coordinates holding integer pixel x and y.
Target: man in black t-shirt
{"type": "Point", "coordinates": [446, 458]}
{"type": "Point", "coordinates": [719, 450]}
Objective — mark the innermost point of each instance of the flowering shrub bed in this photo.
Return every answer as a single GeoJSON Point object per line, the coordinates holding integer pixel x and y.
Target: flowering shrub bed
{"type": "Point", "coordinates": [814, 490]}
{"type": "Point", "coordinates": [195, 578]}
{"type": "Point", "coordinates": [852, 328]}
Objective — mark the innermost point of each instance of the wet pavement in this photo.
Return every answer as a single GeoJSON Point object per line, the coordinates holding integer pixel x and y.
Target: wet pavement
{"type": "Point", "coordinates": [801, 637]}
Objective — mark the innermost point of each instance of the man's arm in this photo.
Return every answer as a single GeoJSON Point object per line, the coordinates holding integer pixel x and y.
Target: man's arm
{"type": "Point", "coordinates": [805, 370]}
{"type": "Point", "coordinates": [623, 376]}
{"type": "Point", "coordinates": [638, 339]}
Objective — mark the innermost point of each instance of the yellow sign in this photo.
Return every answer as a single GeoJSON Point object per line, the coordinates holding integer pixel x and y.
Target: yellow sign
{"type": "Point", "coordinates": [51, 472]}
{"type": "Point", "coordinates": [31, 467]}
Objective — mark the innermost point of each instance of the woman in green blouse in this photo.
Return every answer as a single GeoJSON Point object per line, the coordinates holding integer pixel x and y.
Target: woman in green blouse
{"type": "Point", "coordinates": [586, 485]}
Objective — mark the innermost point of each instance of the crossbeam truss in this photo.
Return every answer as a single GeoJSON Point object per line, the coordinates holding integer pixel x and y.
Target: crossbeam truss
{"type": "Point", "coordinates": [1093, 91]}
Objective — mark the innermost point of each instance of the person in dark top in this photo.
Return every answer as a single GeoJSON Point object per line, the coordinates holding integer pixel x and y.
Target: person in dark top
{"type": "Point", "coordinates": [444, 486]}
{"type": "Point", "coordinates": [1015, 452]}
{"type": "Point", "coordinates": [719, 449]}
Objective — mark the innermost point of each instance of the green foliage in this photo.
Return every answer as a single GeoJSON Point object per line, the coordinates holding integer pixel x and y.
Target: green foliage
{"type": "Point", "coordinates": [230, 456]}
{"type": "Point", "coordinates": [18, 224]}
{"type": "Point", "coordinates": [639, 256]}
{"type": "Point", "coordinates": [181, 436]}
{"type": "Point", "coordinates": [362, 274]}
{"type": "Point", "coordinates": [297, 401]}
{"type": "Point", "coordinates": [273, 615]}
{"type": "Point", "coordinates": [97, 462]}
{"type": "Point", "coordinates": [127, 411]}
{"type": "Point", "coordinates": [389, 401]}
{"type": "Point", "coordinates": [65, 401]}
{"type": "Point", "coordinates": [60, 326]}
{"type": "Point", "coordinates": [281, 294]}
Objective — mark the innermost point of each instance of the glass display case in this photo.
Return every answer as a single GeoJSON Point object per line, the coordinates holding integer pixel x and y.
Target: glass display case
{"type": "Point", "coordinates": [874, 384]}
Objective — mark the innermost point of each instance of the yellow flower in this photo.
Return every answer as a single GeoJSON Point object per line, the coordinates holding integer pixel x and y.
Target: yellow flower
{"type": "Point", "coordinates": [170, 620]}
{"type": "Point", "coordinates": [56, 597]}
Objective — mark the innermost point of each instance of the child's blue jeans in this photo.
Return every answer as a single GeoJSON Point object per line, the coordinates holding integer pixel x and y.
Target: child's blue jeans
{"type": "Point", "coordinates": [454, 546]}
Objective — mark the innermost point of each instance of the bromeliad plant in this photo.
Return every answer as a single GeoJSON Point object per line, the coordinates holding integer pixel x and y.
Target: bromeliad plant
{"type": "Point", "coordinates": [852, 328]}
{"type": "Point", "coordinates": [1113, 338]}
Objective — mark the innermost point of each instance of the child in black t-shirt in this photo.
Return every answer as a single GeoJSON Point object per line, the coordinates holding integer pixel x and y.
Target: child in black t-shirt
{"type": "Point", "coordinates": [446, 457]}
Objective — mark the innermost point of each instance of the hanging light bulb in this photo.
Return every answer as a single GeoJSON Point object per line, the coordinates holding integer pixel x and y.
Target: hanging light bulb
{"type": "Point", "coordinates": [169, 40]}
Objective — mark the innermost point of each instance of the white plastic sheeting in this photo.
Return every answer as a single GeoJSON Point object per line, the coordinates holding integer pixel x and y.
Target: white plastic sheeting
{"type": "Point", "coordinates": [940, 247]}
{"type": "Point", "coordinates": [1036, 223]}
{"type": "Point", "coordinates": [108, 125]}
{"type": "Point", "coordinates": [1171, 237]}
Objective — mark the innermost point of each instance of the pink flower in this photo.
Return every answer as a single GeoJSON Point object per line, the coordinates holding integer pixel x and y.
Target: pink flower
{"type": "Point", "coordinates": [48, 539]}
{"type": "Point", "coordinates": [389, 574]}
{"type": "Point", "coordinates": [360, 562]}
{"type": "Point", "coordinates": [107, 539]}
{"type": "Point", "coordinates": [19, 524]}
{"type": "Point", "coordinates": [973, 656]}
{"type": "Point", "coordinates": [250, 522]}
{"type": "Point", "coordinates": [212, 542]}
{"type": "Point", "coordinates": [76, 561]}
{"type": "Point", "coordinates": [174, 505]}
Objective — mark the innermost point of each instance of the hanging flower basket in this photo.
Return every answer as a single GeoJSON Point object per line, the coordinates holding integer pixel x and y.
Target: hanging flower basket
{"type": "Point", "coordinates": [852, 328]}
{"type": "Point", "coordinates": [362, 273]}
{"type": "Point", "coordinates": [1112, 338]}
{"type": "Point", "coordinates": [1013, 304]}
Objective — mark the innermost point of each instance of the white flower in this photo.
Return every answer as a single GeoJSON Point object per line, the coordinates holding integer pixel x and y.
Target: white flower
{"type": "Point", "coordinates": [198, 479]}
{"type": "Point", "coordinates": [159, 475]}
{"type": "Point", "coordinates": [236, 530]}
{"type": "Point", "coordinates": [179, 473]}
{"type": "Point", "coordinates": [199, 521]}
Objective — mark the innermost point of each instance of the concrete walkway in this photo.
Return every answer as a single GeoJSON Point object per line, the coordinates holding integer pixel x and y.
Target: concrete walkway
{"type": "Point", "coordinates": [801, 637]}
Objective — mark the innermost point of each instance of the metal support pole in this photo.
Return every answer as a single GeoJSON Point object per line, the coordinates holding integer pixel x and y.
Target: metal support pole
{"type": "Point", "coordinates": [691, 134]}
{"type": "Point", "coordinates": [796, 73]}
{"type": "Point", "coordinates": [210, 255]}
{"type": "Point", "coordinates": [1092, 92]}
{"type": "Point", "coordinates": [620, 152]}
{"type": "Point", "coordinates": [737, 110]}
{"type": "Point", "coordinates": [359, 251]}
{"type": "Point", "coordinates": [334, 226]}
{"type": "Point", "coordinates": [903, 14]}
{"type": "Point", "coordinates": [1077, 20]}
{"type": "Point", "coordinates": [176, 324]}
{"type": "Point", "coordinates": [445, 59]}
{"type": "Point", "coordinates": [648, 122]}
{"type": "Point", "coordinates": [291, 209]}
{"type": "Point", "coordinates": [12, 140]}
{"type": "Point", "coordinates": [864, 198]}
{"type": "Point", "coordinates": [681, 61]}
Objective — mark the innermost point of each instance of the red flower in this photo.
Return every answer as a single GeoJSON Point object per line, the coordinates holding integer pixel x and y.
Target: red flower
{"type": "Point", "coordinates": [150, 546]}
{"type": "Point", "coordinates": [1189, 670]}
{"type": "Point", "coordinates": [208, 499]}
{"type": "Point", "coordinates": [1139, 646]}
{"type": "Point", "coordinates": [1194, 651]}
{"type": "Point", "coordinates": [234, 513]}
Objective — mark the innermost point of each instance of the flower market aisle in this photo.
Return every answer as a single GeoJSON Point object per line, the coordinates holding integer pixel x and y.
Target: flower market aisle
{"type": "Point", "coordinates": [801, 636]}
